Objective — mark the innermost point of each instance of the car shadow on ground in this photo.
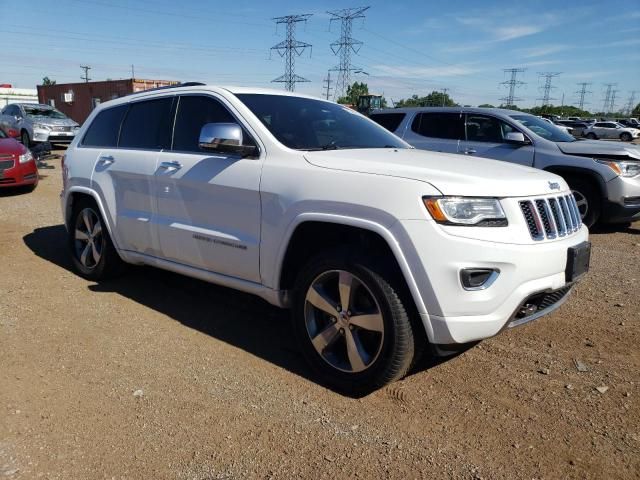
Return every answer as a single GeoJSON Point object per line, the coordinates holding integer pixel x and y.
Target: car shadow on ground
{"type": "Point", "coordinates": [631, 229]}
{"type": "Point", "coordinates": [239, 319]}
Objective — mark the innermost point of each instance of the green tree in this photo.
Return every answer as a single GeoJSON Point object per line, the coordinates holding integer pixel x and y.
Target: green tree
{"type": "Point", "coordinates": [636, 111]}
{"type": "Point", "coordinates": [486, 105]}
{"type": "Point", "coordinates": [434, 99]}
{"type": "Point", "coordinates": [353, 92]}
{"type": "Point", "coordinates": [48, 81]}
{"type": "Point", "coordinates": [560, 110]}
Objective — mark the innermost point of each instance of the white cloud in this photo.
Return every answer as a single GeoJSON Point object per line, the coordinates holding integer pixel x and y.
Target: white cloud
{"type": "Point", "coordinates": [543, 50]}
{"type": "Point", "coordinates": [501, 34]}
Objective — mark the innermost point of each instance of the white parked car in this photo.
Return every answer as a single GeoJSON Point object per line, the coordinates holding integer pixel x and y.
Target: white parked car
{"type": "Point", "coordinates": [564, 128]}
{"type": "Point", "coordinates": [611, 130]}
{"type": "Point", "coordinates": [377, 248]}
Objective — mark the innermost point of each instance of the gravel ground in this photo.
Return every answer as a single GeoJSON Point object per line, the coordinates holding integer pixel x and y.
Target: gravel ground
{"type": "Point", "coordinates": [157, 376]}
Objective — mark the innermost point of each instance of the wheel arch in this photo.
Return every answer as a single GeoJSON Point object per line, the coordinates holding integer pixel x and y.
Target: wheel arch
{"type": "Point", "coordinates": [303, 240]}
{"type": "Point", "coordinates": [74, 195]}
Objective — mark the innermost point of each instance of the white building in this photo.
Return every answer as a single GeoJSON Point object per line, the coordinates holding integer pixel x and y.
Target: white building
{"type": "Point", "coordinates": [17, 95]}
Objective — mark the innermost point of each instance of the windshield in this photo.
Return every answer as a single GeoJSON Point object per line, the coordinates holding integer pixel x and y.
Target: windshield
{"type": "Point", "coordinates": [43, 112]}
{"type": "Point", "coordinates": [308, 124]}
{"type": "Point", "coordinates": [543, 128]}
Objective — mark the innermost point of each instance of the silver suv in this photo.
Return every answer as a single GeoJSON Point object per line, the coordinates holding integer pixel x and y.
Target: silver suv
{"type": "Point", "coordinates": [39, 123]}
{"type": "Point", "coordinates": [604, 176]}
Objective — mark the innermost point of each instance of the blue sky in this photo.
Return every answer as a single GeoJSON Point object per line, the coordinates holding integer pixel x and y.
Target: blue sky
{"type": "Point", "coordinates": [409, 46]}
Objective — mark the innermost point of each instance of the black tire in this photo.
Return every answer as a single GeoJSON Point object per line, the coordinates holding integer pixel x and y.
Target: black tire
{"type": "Point", "coordinates": [591, 136]}
{"type": "Point", "coordinates": [588, 199]}
{"type": "Point", "coordinates": [625, 137]}
{"type": "Point", "coordinates": [24, 138]}
{"type": "Point", "coordinates": [109, 263]}
{"type": "Point", "coordinates": [395, 346]}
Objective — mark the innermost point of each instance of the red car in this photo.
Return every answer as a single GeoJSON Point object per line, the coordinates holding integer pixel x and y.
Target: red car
{"type": "Point", "coordinates": [17, 165]}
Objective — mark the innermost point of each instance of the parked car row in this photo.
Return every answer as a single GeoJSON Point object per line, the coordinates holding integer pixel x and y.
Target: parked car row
{"type": "Point", "coordinates": [604, 176]}
{"type": "Point", "coordinates": [36, 123]}
{"type": "Point", "coordinates": [17, 165]}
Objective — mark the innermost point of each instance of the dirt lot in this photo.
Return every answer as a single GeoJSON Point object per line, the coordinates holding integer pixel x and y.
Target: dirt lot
{"type": "Point", "coordinates": [158, 376]}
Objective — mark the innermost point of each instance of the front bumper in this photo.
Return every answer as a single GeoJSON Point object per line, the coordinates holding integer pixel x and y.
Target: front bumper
{"type": "Point", "coordinates": [622, 204]}
{"type": "Point", "coordinates": [20, 174]}
{"type": "Point", "coordinates": [454, 315]}
{"type": "Point", "coordinates": [53, 136]}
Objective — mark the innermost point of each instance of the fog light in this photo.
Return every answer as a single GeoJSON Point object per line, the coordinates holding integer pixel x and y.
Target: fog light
{"type": "Point", "coordinates": [478, 278]}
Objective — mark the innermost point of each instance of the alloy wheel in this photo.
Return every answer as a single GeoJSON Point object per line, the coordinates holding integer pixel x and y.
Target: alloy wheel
{"type": "Point", "coordinates": [344, 321]}
{"type": "Point", "coordinates": [582, 203]}
{"type": "Point", "coordinates": [88, 238]}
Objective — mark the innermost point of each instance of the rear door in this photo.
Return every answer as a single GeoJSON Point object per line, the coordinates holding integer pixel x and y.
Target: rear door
{"type": "Point", "coordinates": [125, 175]}
{"type": "Point", "coordinates": [436, 131]}
{"type": "Point", "coordinates": [485, 137]}
{"type": "Point", "coordinates": [208, 203]}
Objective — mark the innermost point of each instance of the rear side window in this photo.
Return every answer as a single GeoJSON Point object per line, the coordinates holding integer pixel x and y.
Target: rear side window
{"type": "Point", "coordinates": [390, 121]}
{"type": "Point", "coordinates": [481, 128]}
{"type": "Point", "coordinates": [194, 111]}
{"type": "Point", "coordinates": [439, 125]}
{"type": "Point", "coordinates": [147, 125]}
{"type": "Point", "coordinates": [103, 131]}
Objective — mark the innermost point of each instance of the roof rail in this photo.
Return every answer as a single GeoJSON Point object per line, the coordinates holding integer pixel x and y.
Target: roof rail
{"type": "Point", "coordinates": [185, 84]}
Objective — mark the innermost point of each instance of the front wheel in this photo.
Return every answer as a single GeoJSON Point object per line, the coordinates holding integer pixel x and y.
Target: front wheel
{"type": "Point", "coordinates": [591, 136]}
{"type": "Point", "coordinates": [24, 138]}
{"type": "Point", "coordinates": [625, 137]}
{"type": "Point", "coordinates": [351, 324]}
{"type": "Point", "coordinates": [587, 199]}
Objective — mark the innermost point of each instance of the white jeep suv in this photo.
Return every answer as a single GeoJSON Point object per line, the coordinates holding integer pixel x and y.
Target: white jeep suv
{"type": "Point", "coordinates": [378, 249]}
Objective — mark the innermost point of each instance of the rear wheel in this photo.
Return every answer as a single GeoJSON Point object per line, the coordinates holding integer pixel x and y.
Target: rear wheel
{"type": "Point", "coordinates": [588, 200]}
{"type": "Point", "coordinates": [591, 136]}
{"type": "Point", "coordinates": [625, 137]}
{"type": "Point", "coordinates": [93, 254]}
{"type": "Point", "coordinates": [351, 324]}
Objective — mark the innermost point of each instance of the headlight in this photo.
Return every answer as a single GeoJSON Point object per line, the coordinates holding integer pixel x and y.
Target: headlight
{"type": "Point", "coordinates": [25, 157]}
{"type": "Point", "coordinates": [623, 168]}
{"type": "Point", "coordinates": [41, 126]}
{"type": "Point", "coordinates": [482, 212]}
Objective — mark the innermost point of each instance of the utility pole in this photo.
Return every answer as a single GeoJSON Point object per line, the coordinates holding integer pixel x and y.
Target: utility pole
{"type": "Point", "coordinates": [512, 83]}
{"type": "Point", "coordinates": [444, 95]}
{"type": "Point", "coordinates": [582, 92]}
{"type": "Point", "coordinates": [327, 82]}
{"type": "Point", "coordinates": [86, 69]}
{"type": "Point", "coordinates": [290, 48]}
{"type": "Point", "coordinates": [546, 89]}
{"type": "Point", "coordinates": [607, 97]}
{"type": "Point", "coordinates": [345, 45]}
{"type": "Point", "coordinates": [631, 103]}
{"type": "Point", "coordinates": [133, 71]}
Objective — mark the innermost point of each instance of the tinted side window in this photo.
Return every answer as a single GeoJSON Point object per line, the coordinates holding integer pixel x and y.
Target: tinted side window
{"type": "Point", "coordinates": [147, 125]}
{"type": "Point", "coordinates": [103, 131]}
{"type": "Point", "coordinates": [390, 121]}
{"type": "Point", "coordinates": [600, 124]}
{"type": "Point", "coordinates": [194, 111]}
{"type": "Point", "coordinates": [481, 128]}
{"type": "Point", "coordinates": [439, 125]}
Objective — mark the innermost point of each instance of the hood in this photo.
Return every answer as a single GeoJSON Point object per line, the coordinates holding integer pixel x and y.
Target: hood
{"type": "Point", "coordinates": [451, 174]}
{"type": "Point", "coordinates": [600, 149]}
{"type": "Point", "coordinates": [64, 122]}
{"type": "Point", "coordinates": [10, 146]}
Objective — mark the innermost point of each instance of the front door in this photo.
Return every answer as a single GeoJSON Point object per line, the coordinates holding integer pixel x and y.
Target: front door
{"type": "Point", "coordinates": [485, 137]}
{"type": "Point", "coordinates": [208, 203]}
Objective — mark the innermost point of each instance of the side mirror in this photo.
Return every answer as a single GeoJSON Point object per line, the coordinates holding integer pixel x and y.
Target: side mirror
{"type": "Point", "coordinates": [224, 137]}
{"type": "Point", "coordinates": [516, 138]}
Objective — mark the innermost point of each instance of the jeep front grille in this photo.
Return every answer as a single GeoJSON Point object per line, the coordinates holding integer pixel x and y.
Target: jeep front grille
{"type": "Point", "coordinates": [551, 217]}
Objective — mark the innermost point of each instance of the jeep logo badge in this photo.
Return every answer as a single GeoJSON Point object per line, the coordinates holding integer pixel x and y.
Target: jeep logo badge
{"type": "Point", "coordinates": [554, 185]}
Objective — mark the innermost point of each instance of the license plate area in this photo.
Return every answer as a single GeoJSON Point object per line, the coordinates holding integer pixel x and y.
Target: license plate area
{"type": "Point", "coordinates": [578, 259]}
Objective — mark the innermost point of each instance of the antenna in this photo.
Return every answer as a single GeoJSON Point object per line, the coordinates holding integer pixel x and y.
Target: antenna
{"type": "Point", "coordinates": [345, 45]}
{"type": "Point", "coordinates": [290, 48]}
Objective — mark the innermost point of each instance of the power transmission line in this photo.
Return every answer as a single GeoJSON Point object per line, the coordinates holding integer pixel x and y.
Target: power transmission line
{"type": "Point", "coordinates": [631, 102]}
{"type": "Point", "coordinates": [290, 48]}
{"type": "Point", "coordinates": [345, 45]}
{"type": "Point", "coordinates": [512, 83]}
{"type": "Point", "coordinates": [86, 69]}
{"type": "Point", "coordinates": [607, 97]}
{"type": "Point", "coordinates": [546, 88]}
{"type": "Point", "coordinates": [613, 100]}
{"type": "Point", "coordinates": [582, 92]}
{"type": "Point", "coordinates": [327, 87]}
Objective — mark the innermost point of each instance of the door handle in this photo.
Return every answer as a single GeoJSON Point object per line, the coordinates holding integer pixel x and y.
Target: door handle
{"type": "Point", "coordinates": [173, 165]}
{"type": "Point", "coordinates": [106, 159]}
{"type": "Point", "coordinates": [468, 151]}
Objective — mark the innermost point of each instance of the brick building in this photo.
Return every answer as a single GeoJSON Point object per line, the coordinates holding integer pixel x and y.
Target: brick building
{"type": "Point", "coordinates": [77, 100]}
